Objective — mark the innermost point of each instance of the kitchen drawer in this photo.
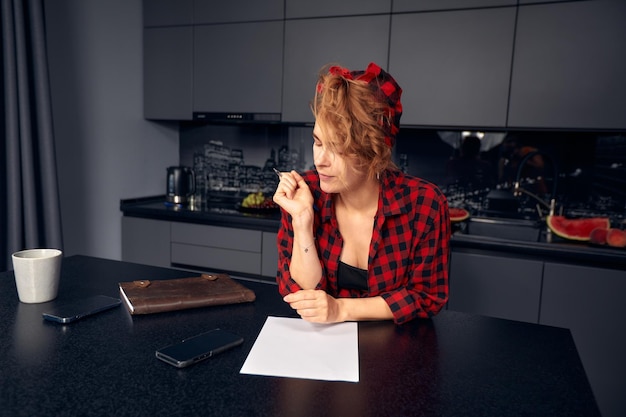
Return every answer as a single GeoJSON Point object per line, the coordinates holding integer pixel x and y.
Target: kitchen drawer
{"type": "Point", "coordinates": [589, 302]}
{"type": "Point", "coordinates": [270, 255]}
{"type": "Point", "coordinates": [216, 258]}
{"type": "Point", "coordinates": [146, 241]}
{"type": "Point", "coordinates": [217, 237]}
{"type": "Point", "coordinates": [495, 286]}
{"type": "Point", "coordinates": [218, 248]}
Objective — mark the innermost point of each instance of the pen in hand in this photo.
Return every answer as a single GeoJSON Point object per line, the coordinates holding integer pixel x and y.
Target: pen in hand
{"type": "Point", "coordinates": [280, 175]}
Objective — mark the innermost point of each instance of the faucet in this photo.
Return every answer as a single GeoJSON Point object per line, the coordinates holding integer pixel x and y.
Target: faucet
{"type": "Point", "coordinates": [518, 190]}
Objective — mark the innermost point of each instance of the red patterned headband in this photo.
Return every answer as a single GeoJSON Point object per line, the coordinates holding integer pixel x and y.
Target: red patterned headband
{"type": "Point", "coordinates": [385, 88]}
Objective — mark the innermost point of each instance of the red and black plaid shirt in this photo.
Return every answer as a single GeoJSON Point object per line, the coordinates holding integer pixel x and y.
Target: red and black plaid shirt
{"type": "Point", "coordinates": [409, 252]}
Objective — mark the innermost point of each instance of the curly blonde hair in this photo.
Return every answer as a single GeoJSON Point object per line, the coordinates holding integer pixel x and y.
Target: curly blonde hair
{"type": "Point", "coordinates": [352, 114]}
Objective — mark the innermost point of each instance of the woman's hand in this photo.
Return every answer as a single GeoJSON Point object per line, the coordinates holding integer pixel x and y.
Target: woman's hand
{"type": "Point", "coordinates": [315, 306]}
{"type": "Point", "coordinates": [293, 195]}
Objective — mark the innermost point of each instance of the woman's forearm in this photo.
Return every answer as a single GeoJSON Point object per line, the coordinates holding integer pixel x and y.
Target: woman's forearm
{"type": "Point", "coordinates": [305, 267]}
{"type": "Point", "coordinates": [369, 308]}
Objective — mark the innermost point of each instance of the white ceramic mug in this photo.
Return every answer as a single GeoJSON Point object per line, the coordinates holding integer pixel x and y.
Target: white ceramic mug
{"type": "Point", "coordinates": [37, 274]}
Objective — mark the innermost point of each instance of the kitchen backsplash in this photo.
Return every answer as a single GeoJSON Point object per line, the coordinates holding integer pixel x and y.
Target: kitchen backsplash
{"type": "Point", "coordinates": [232, 160]}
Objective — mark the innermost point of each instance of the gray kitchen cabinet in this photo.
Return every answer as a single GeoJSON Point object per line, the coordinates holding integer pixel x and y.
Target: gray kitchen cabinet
{"type": "Point", "coordinates": [167, 70]}
{"type": "Point", "coordinates": [454, 66]}
{"type": "Point", "coordinates": [167, 12]}
{"type": "Point", "coordinates": [569, 66]}
{"type": "Point", "coordinates": [216, 247]}
{"type": "Point", "coordinates": [325, 8]}
{"type": "Point", "coordinates": [310, 44]}
{"type": "Point", "coordinates": [238, 67]}
{"type": "Point", "coordinates": [590, 302]}
{"type": "Point", "coordinates": [269, 263]}
{"type": "Point", "coordinates": [546, 1]}
{"type": "Point", "coordinates": [199, 247]}
{"type": "Point", "coordinates": [146, 241]}
{"type": "Point", "coordinates": [496, 286]}
{"type": "Point", "coordinates": [428, 5]}
{"type": "Point", "coordinates": [211, 11]}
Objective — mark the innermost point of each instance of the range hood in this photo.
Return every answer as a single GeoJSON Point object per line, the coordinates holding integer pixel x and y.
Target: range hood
{"type": "Point", "coordinates": [236, 117]}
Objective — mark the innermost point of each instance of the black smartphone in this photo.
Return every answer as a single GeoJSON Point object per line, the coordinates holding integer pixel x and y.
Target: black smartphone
{"type": "Point", "coordinates": [75, 310]}
{"type": "Point", "coordinates": [198, 348]}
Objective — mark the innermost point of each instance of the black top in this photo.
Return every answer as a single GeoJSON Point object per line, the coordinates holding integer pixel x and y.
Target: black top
{"type": "Point", "coordinates": [351, 277]}
{"type": "Point", "coordinates": [453, 365]}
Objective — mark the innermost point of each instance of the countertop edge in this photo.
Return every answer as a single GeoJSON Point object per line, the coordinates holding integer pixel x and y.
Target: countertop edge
{"type": "Point", "coordinates": [563, 251]}
{"type": "Point", "coordinates": [145, 208]}
{"type": "Point", "coordinates": [559, 251]}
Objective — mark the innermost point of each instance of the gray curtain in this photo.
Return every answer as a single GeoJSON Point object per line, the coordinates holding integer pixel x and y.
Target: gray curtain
{"type": "Point", "coordinates": [29, 199]}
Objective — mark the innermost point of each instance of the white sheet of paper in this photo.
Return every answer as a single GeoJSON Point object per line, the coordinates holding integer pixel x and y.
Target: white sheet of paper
{"type": "Point", "coordinates": [290, 347]}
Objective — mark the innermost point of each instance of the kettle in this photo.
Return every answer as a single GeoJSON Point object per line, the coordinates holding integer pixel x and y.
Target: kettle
{"type": "Point", "coordinates": [181, 184]}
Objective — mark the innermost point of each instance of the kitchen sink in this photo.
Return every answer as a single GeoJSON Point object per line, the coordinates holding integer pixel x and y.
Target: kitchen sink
{"type": "Point", "coordinates": [510, 229]}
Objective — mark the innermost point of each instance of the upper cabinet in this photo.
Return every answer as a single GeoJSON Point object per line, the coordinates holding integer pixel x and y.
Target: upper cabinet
{"type": "Point", "coordinates": [545, 1]}
{"type": "Point", "coordinates": [453, 66]}
{"type": "Point", "coordinates": [569, 66]}
{"type": "Point", "coordinates": [428, 5]}
{"type": "Point", "coordinates": [167, 73]}
{"type": "Point", "coordinates": [325, 8]}
{"type": "Point", "coordinates": [461, 63]}
{"type": "Point", "coordinates": [210, 11]}
{"type": "Point", "coordinates": [218, 67]}
{"type": "Point", "coordinates": [167, 59]}
{"type": "Point", "coordinates": [238, 67]}
{"type": "Point", "coordinates": [167, 12]}
{"type": "Point", "coordinates": [238, 54]}
{"type": "Point", "coordinates": [310, 44]}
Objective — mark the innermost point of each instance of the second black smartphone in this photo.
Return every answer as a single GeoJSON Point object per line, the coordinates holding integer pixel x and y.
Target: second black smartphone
{"type": "Point", "coordinates": [78, 309]}
{"type": "Point", "coordinates": [198, 348]}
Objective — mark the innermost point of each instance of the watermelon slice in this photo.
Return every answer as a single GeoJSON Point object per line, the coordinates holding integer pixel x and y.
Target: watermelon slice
{"type": "Point", "coordinates": [576, 229]}
{"type": "Point", "coordinates": [458, 214]}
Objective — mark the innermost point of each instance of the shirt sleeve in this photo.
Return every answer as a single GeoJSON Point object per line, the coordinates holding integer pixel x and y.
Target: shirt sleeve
{"type": "Point", "coordinates": [426, 291]}
{"type": "Point", "coordinates": [284, 242]}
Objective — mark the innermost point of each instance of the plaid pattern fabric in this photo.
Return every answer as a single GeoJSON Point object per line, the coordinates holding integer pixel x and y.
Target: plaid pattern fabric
{"type": "Point", "coordinates": [409, 252]}
{"type": "Point", "coordinates": [385, 88]}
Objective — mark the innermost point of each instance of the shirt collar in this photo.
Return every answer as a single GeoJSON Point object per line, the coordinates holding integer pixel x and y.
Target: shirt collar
{"type": "Point", "coordinates": [393, 193]}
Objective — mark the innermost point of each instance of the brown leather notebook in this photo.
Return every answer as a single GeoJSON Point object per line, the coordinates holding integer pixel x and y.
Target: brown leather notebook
{"type": "Point", "coordinates": [145, 296]}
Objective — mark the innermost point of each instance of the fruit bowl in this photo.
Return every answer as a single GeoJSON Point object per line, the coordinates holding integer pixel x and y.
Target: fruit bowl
{"type": "Point", "coordinates": [257, 203]}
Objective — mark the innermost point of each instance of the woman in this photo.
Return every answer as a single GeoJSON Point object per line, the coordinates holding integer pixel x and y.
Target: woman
{"type": "Point", "coordinates": [360, 240]}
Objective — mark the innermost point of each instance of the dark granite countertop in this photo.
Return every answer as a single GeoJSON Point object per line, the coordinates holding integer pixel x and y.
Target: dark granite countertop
{"type": "Point", "coordinates": [453, 365]}
{"type": "Point", "coordinates": [558, 250]}
{"type": "Point", "coordinates": [228, 215]}
{"type": "Point", "coordinates": [216, 214]}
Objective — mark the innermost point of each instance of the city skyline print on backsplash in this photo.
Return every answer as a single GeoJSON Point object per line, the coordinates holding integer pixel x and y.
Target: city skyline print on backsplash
{"type": "Point", "coordinates": [233, 160]}
{"type": "Point", "coordinates": [230, 162]}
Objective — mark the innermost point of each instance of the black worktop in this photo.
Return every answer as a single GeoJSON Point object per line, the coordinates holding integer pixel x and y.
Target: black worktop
{"type": "Point", "coordinates": [453, 365]}
{"type": "Point", "coordinates": [229, 215]}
